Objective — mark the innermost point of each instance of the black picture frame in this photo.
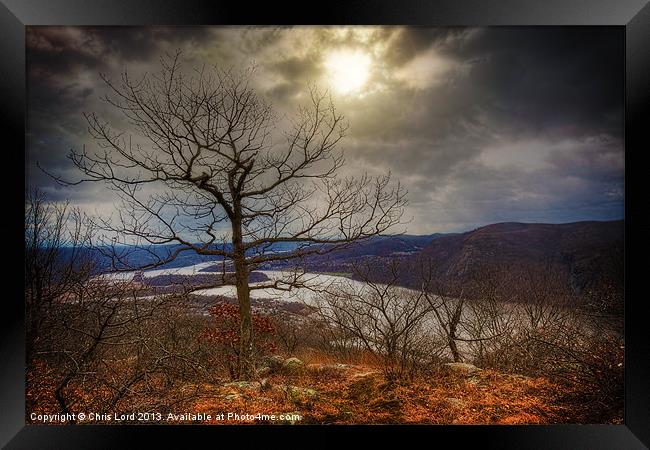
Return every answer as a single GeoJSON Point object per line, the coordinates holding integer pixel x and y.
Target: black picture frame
{"type": "Point", "coordinates": [632, 15]}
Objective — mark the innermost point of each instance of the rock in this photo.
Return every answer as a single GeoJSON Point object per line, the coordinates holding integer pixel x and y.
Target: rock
{"type": "Point", "coordinates": [364, 386]}
{"type": "Point", "coordinates": [387, 404]}
{"type": "Point", "coordinates": [274, 362]}
{"type": "Point", "coordinates": [340, 366]}
{"type": "Point", "coordinates": [337, 367]}
{"type": "Point", "coordinates": [297, 393]}
{"type": "Point", "coordinates": [455, 403]}
{"type": "Point", "coordinates": [461, 368]}
{"type": "Point", "coordinates": [365, 374]}
{"type": "Point", "coordinates": [293, 365]}
{"type": "Point", "coordinates": [264, 371]}
{"type": "Point", "coordinates": [250, 385]}
{"type": "Point", "coordinates": [329, 370]}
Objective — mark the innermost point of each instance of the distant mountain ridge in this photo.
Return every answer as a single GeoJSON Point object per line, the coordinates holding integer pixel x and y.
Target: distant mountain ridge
{"type": "Point", "coordinates": [386, 245]}
{"type": "Point", "coordinates": [582, 256]}
{"type": "Point", "coordinates": [510, 243]}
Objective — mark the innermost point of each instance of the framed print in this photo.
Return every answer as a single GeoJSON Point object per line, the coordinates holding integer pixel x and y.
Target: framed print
{"type": "Point", "coordinates": [388, 218]}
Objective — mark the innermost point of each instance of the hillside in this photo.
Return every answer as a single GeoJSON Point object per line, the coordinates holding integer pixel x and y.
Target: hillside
{"type": "Point", "coordinates": [582, 255]}
{"type": "Point", "coordinates": [389, 245]}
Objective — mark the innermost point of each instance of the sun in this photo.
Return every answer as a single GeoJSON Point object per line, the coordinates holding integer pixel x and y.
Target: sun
{"type": "Point", "coordinates": [348, 70]}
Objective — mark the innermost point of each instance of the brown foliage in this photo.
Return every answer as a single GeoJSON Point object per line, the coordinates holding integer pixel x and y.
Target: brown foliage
{"type": "Point", "coordinates": [224, 336]}
{"type": "Point", "coordinates": [361, 395]}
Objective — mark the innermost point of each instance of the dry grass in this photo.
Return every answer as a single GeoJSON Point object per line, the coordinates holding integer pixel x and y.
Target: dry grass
{"type": "Point", "coordinates": [360, 395]}
{"type": "Point", "coordinates": [328, 392]}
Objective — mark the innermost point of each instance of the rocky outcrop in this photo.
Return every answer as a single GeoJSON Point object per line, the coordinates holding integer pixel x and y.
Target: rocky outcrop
{"type": "Point", "coordinates": [293, 366]}
{"type": "Point", "coordinates": [297, 394]}
{"type": "Point", "coordinates": [274, 362]}
{"type": "Point", "coordinates": [463, 369]}
{"type": "Point", "coordinates": [364, 386]}
{"type": "Point", "coordinates": [330, 367]}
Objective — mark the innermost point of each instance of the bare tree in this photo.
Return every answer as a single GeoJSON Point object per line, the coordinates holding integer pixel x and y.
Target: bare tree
{"type": "Point", "coordinates": [89, 342]}
{"type": "Point", "coordinates": [207, 159]}
{"type": "Point", "coordinates": [466, 311]}
{"type": "Point", "coordinates": [55, 260]}
{"type": "Point", "coordinates": [103, 356]}
{"type": "Point", "coordinates": [490, 317]}
{"type": "Point", "coordinates": [388, 321]}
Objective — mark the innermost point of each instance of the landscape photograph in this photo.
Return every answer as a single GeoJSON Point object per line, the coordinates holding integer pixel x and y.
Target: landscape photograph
{"type": "Point", "coordinates": [324, 225]}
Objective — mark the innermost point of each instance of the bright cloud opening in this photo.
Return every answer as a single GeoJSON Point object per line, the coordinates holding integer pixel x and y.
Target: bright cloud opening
{"type": "Point", "coordinates": [348, 70]}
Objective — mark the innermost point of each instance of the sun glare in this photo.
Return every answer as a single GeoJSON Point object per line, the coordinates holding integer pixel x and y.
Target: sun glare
{"type": "Point", "coordinates": [348, 70]}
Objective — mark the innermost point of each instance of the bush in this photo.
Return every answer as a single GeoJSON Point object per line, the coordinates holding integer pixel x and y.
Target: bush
{"type": "Point", "coordinates": [223, 337]}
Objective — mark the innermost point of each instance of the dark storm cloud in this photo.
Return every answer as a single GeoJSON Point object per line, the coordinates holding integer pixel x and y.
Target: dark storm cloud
{"type": "Point", "coordinates": [481, 125]}
{"type": "Point", "coordinates": [413, 41]}
{"type": "Point", "coordinates": [520, 105]}
{"type": "Point", "coordinates": [65, 47]}
{"type": "Point", "coordinates": [295, 73]}
{"type": "Point", "coordinates": [551, 77]}
{"type": "Point", "coordinates": [529, 80]}
{"type": "Point", "coordinates": [63, 67]}
{"type": "Point", "coordinates": [295, 69]}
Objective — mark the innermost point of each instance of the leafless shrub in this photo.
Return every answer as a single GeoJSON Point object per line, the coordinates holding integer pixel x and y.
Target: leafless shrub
{"type": "Point", "coordinates": [385, 320]}
{"type": "Point", "coordinates": [115, 350]}
{"type": "Point", "coordinates": [95, 343]}
{"type": "Point", "coordinates": [545, 328]}
{"type": "Point", "coordinates": [55, 262]}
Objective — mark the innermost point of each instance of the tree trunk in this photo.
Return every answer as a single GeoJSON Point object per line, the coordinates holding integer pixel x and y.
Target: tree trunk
{"type": "Point", "coordinates": [246, 366]}
{"type": "Point", "coordinates": [454, 349]}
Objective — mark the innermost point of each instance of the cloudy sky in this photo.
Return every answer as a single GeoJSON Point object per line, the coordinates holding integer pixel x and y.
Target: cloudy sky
{"type": "Point", "coordinates": [480, 125]}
